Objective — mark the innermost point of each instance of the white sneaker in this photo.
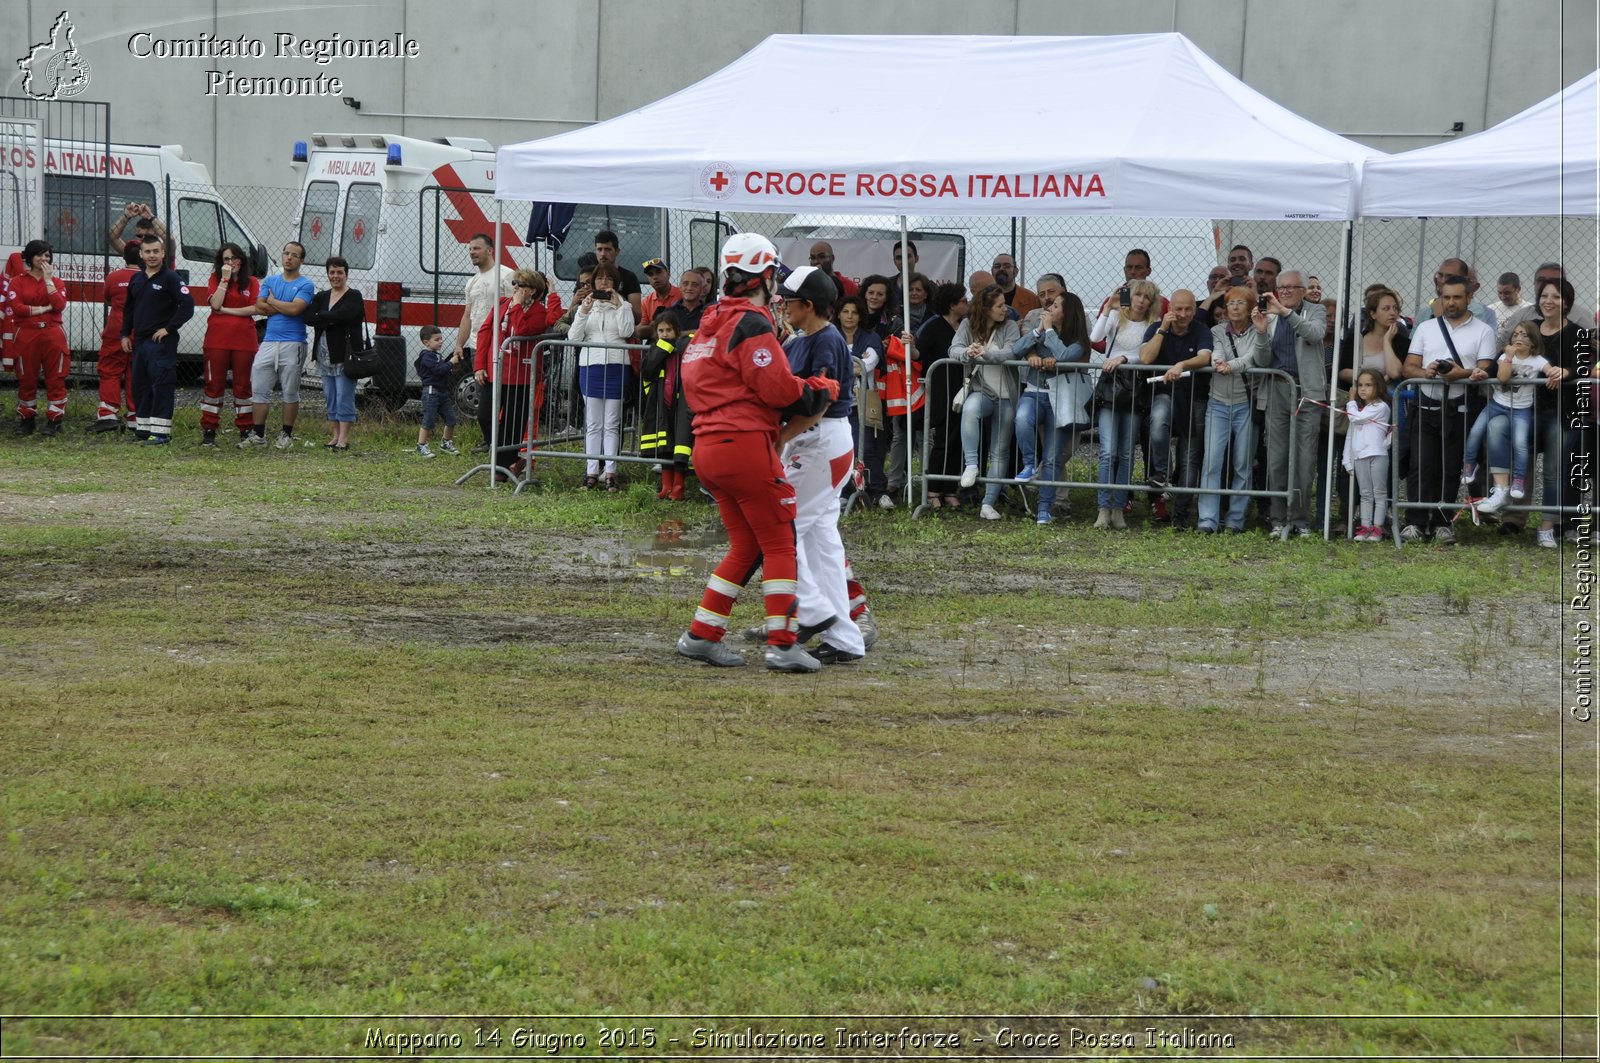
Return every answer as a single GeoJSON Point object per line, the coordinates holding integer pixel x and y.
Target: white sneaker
{"type": "Point", "coordinates": [1497, 498]}
{"type": "Point", "coordinates": [448, 447]}
{"type": "Point", "coordinates": [1443, 536]}
{"type": "Point", "coordinates": [969, 476]}
{"type": "Point", "coordinates": [250, 439]}
{"type": "Point", "coordinates": [1118, 521]}
{"type": "Point", "coordinates": [285, 441]}
{"type": "Point", "coordinates": [423, 451]}
{"type": "Point", "coordinates": [1411, 534]}
{"type": "Point", "coordinates": [1547, 538]}
{"type": "Point", "coordinates": [988, 512]}
{"type": "Point", "coordinates": [885, 502]}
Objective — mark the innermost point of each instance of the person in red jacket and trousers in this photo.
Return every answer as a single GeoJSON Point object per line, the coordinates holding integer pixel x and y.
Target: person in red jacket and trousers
{"type": "Point", "coordinates": [528, 311]}
{"type": "Point", "coordinates": [39, 297]}
{"type": "Point", "coordinates": [113, 366]}
{"type": "Point", "coordinates": [738, 383]}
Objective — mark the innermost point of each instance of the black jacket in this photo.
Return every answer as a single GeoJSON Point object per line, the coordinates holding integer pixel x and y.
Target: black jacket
{"type": "Point", "coordinates": [343, 324]}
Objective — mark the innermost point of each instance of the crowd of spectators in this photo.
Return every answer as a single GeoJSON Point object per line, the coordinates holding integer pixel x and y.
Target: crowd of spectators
{"type": "Point", "coordinates": [1199, 401]}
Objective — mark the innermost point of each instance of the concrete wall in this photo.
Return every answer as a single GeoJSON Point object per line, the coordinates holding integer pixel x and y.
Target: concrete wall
{"type": "Point", "coordinates": [1395, 76]}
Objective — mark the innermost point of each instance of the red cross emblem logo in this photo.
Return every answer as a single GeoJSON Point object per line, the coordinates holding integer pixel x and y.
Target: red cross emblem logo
{"type": "Point", "coordinates": [67, 222]}
{"type": "Point", "coordinates": [359, 231]}
{"type": "Point", "coordinates": [719, 180]}
{"type": "Point", "coordinates": [316, 228]}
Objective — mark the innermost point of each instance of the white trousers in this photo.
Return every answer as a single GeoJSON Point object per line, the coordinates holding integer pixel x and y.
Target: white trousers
{"type": "Point", "coordinates": [817, 463]}
{"type": "Point", "coordinates": [602, 432]}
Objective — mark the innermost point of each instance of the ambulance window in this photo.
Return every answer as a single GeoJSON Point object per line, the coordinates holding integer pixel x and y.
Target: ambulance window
{"type": "Point", "coordinates": [78, 211]}
{"type": "Point", "coordinates": [199, 231]}
{"type": "Point", "coordinates": [638, 232]}
{"type": "Point", "coordinates": [234, 232]}
{"type": "Point", "coordinates": [359, 241]}
{"type": "Point", "coordinates": [316, 221]}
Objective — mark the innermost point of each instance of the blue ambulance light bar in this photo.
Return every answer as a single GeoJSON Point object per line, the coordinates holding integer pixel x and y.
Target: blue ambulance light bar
{"type": "Point", "coordinates": [299, 151]}
{"type": "Point", "coordinates": [394, 155]}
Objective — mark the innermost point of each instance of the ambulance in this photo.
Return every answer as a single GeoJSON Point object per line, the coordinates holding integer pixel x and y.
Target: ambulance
{"type": "Point", "coordinates": [401, 210]}
{"type": "Point", "coordinates": [85, 187]}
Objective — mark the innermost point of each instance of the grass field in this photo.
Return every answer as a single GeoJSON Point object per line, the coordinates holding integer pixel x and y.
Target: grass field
{"type": "Point", "coordinates": [297, 734]}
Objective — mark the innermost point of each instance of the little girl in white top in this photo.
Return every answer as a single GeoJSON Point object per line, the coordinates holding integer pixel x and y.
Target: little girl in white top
{"type": "Point", "coordinates": [1366, 452]}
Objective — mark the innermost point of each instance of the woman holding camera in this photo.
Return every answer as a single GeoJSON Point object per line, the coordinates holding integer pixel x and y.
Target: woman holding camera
{"type": "Point", "coordinates": [604, 316]}
{"type": "Point", "coordinates": [1120, 327]}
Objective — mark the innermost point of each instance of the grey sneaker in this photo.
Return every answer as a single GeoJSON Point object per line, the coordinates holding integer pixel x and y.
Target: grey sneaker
{"type": "Point", "coordinates": [714, 653]}
{"type": "Point", "coordinates": [869, 628]}
{"type": "Point", "coordinates": [1411, 534]}
{"type": "Point", "coordinates": [787, 659]}
{"type": "Point", "coordinates": [250, 439]}
{"type": "Point", "coordinates": [1443, 536]}
{"type": "Point", "coordinates": [447, 447]}
{"type": "Point", "coordinates": [423, 451]}
{"type": "Point", "coordinates": [285, 441]}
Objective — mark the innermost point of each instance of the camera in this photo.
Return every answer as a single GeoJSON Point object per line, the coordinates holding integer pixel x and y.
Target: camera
{"type": "Point", "coordinates": [1443, 366]}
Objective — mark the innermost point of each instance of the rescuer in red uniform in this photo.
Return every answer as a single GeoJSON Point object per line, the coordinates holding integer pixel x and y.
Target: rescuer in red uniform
{"type": "Point", "coordinates": [39, 297]}
{"type": "Point", "coordinates": [114, 366]}
{"type": "Point", "coordinates": [737, 381]}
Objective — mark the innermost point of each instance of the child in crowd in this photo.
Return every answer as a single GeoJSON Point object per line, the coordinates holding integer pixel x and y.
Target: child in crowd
{"type": "Point", "coordinates": [437, 371]}
{"type": "Point", "coordinates": [666, 435]}
{"type": "Point", "coordinates": [1521, 369]}
{"type": "Point", "coordinates": [1366, 452]}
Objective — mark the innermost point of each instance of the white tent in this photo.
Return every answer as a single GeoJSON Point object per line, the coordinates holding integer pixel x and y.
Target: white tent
{"type": "Point", "coordinates": [1142, 126]}
{"type": "Point", "coordinates": [1539, 162]}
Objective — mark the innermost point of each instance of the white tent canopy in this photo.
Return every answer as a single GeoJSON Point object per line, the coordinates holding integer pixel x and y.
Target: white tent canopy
{"type": "Point", "coordinates": [1539, 162]}
{"type": "Point", "coordinates": [1136, 126]}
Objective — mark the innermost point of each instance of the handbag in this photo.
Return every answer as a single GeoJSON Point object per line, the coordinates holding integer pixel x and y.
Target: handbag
{"type": "Point", "coordinates": [960, 397]}
{"type": "Point", "coordinates": [363, 363]}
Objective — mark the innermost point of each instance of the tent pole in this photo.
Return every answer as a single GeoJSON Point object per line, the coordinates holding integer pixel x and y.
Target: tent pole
{"type": "Point", "coordinates": [1422, 250]}
{"type": "Point", "coordinates": [905, 318]}
{"type": "Point", "coordinates": [495, 363]}
{"type": "Point", "coordinates": [1346, 281]}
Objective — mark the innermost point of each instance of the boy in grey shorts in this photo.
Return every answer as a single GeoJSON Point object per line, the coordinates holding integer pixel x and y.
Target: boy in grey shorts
{"type": "Point", "coordinates": [437, 371]}
{"type": "Point", "coordinates": [283, 348]}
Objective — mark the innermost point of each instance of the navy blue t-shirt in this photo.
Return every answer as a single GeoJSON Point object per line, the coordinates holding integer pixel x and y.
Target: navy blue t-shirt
{"type": "Point", "coordinates": [825, 349]}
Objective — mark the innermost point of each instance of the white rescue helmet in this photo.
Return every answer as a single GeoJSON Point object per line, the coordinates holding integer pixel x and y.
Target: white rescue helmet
{"type": "Point", "coordinates": [746, 257]}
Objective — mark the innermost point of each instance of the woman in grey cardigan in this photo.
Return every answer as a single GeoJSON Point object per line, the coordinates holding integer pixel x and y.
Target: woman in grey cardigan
{"type": "Point", "coordinates": [1235, 346]}
{"type": "Point", "coordinates": [984, 340]}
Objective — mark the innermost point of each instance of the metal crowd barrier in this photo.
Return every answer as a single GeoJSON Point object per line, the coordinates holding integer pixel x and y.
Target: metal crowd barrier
{"type": "Point", "coordinates": [1196, 417]}
{"type": "Point", "coordinates": [1407, 484]}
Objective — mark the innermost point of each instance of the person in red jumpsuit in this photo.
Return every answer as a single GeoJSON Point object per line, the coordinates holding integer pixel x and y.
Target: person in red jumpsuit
{"type": "Point", "coordinates": [38, 298]}
{"type": "Point", "coordinates": [737, 381]}
{"type": "Point", "coordinates": [114, 366]}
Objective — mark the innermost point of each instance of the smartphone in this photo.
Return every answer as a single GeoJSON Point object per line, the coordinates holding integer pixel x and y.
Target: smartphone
{"type": "Point", "coordinates": [1261, 302]}
{"type": "Point", "coordinates": [1123, 298]}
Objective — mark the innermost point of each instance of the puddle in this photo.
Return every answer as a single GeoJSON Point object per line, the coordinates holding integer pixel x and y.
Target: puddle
{"type": "Point", "coordinates": [671, 551]}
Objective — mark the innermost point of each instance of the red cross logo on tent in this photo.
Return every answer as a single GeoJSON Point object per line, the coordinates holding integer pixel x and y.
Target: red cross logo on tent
{"type": "Point", "coordinates": [359, 231]}
{"type": "Point", "coordinates": [718, 180]}
{"type": "Point", "coordinates": [316, 228]}
{"type": "Point", "coordinates": [473, 220]}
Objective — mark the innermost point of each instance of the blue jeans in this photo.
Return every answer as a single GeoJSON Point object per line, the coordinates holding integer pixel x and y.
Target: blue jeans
{"type": "Point", "coordinates": [340, 393]}
{"type": "Point", "coordinates": [1116, 454]}
{"type": "Point", "coordinates": [1491, 423]}
{"type": "Point", "coordinates": [1230, 429]}
{"type": "Point", "coordinates": [1158, 454]}
{"type": "Point", "coordinates": [1035, 411]}
{"type": "Point", "coordinates": [1001, 414]}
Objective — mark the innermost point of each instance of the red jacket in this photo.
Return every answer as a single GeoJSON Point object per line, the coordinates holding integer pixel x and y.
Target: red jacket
{"type": "Point", "coordinates": [736, 377]}
{"type": "Point", "coordinates": [27, 290]}
{"type": "Point", "coordinates": [515, 320]}
{"type": "Point", "coordinates": [892, 380]}
{"type": "Point", "coordinates": [116, 298]}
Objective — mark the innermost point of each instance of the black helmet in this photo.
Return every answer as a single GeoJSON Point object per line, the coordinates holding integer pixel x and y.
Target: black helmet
{"type": "Point", "coordinates": [812, 285]}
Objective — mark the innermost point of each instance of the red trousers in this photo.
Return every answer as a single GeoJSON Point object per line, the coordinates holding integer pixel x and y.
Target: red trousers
{"type": "Point", "coordinates": [743, 472]}
{"type": "Point", "coordinates": [116, 380]}
{"type": "Point", "coordinates": [221, 361]}
{"type": "Point", "coordinates": [41, 349]}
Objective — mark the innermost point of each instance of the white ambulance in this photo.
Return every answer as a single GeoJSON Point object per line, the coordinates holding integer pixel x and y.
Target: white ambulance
{"type": "Point", "coordinates": [84, 189]}
{"type": "Point", "coordinates": [401, 210]}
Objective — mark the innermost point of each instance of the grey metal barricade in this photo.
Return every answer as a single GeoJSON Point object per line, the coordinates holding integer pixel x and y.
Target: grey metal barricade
{"type": "Point", "coordinates": [564, 413]}
{"type": "Point", "coordinates": [1195, 416]}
